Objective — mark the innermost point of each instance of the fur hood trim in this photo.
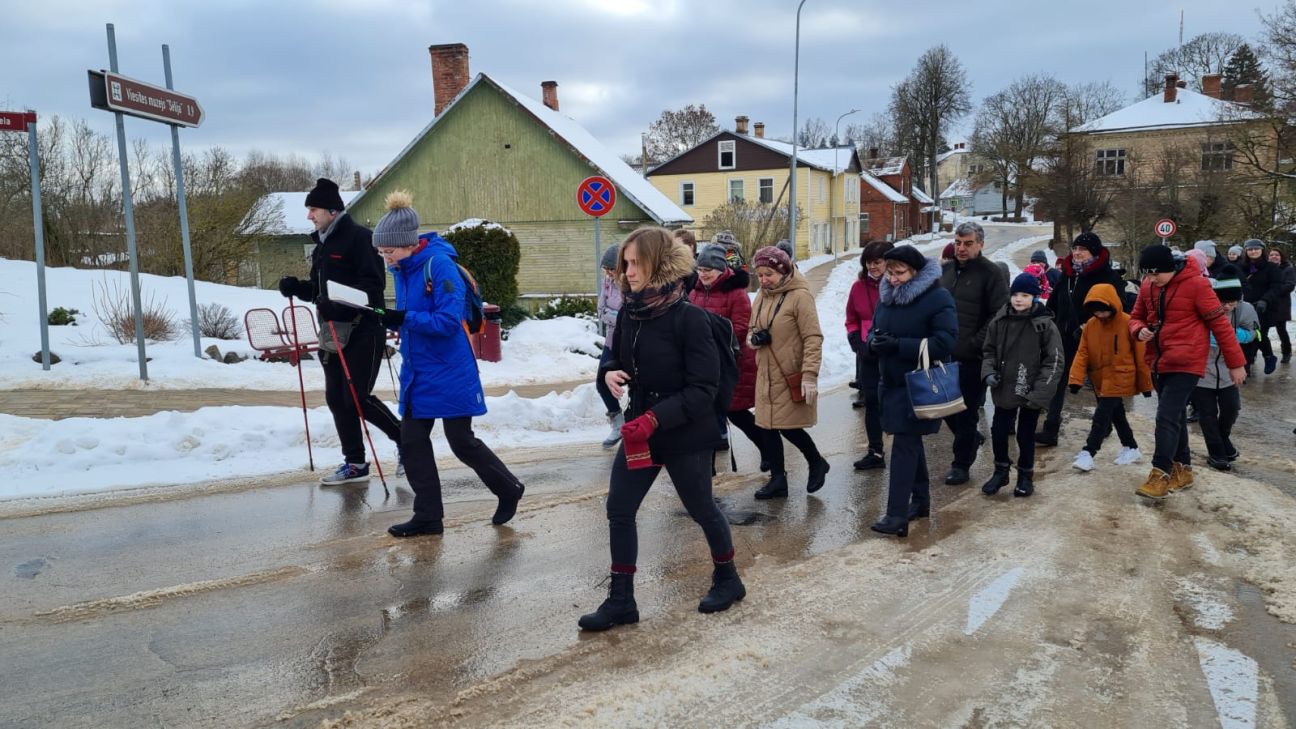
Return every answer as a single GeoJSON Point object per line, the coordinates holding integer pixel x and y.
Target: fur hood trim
{"type": "Point", "coordinates": [909, 291]}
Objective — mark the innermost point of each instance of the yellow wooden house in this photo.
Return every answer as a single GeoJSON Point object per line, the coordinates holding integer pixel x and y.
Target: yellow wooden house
{"type": "Point", "coordinates": [738, 165]}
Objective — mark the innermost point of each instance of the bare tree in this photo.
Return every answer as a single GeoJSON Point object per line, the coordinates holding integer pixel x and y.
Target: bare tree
{"type": "Point", "coordinates": [815, 133]}
{"type": "Point", "coordinates": [1203, 54]}
{"type": "Point", "coordinates": [678, 131]}
{"type": "Point", "coordinates": [1013, 129]}
{"type": "Point", "coordinates": [876, 133]}
{"type": "Point", "coordinates": [934, 95]}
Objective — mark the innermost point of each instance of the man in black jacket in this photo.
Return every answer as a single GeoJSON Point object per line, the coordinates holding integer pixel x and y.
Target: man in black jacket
{"type": "Point", "coordinates": [980, 290]}
{"type": "Point", "coordinates": [1088, 265]}
{"type": "Point", "coordinates": [344, 254]}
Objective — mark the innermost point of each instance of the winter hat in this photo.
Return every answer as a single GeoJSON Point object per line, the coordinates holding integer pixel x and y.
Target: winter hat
{"type": "Point", "coordinates": [1039, 257]}
{"type": "Point", "coordinates": [907, 255]}
{"type": "Point", "coordinates": [1227, 285]}
{"type": "Point", "coordinates": [1089, 241]}
{"type": "Point", "coordinates": [1207, 247]}
{"type": "Point", "coordinates": [1235, 250]}
{"type": "Point", "coordinates": [1253, 243]}
{"type": "Point", "coordinates": [948, 251]}
{"type": "Point", "coordinates": [1156, 258]}
{"type": "Point", "coordinates": [785, 245]}
{"type": "Point", "coordinates": [1025, 284]}
{"type": "Point", "coordinates": [398, 228]}
{"type": "Point", "coordinates": [610, 257]}
{"type": "Point", "coordinates": [325, 195]}
{"type": "Point", "coordinates": [712, 257]}
{"type": "Point", "coordinates": [773, 258]}
{"type": "Point", "coordinates": [1197, 255]}
{"type": "Point", "coordinates": [725, 238]}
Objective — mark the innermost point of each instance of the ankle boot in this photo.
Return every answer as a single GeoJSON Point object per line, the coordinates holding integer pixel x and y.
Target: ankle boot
{"type": "Point", "coordinates": [775, 488]}
{"type": "Point", "coordinates": [896, 526]}
{"type": "Point", "coordinates": [919, 510]}
{"type": "Point", "coordinates": [415, 527]}
{"type": "Point", "coordinates": [818, 473]}
{"type": "Point", "coordinates": [615, 421]}
{"type": "Point", "coordinates": [507, 507]}
{"type": "Point", "coordinates": [998, 479]}
{"type": "Point", "coordinates": [618, 609]}
{"type": "Point", "coordinates": [1025, 482]}
{"type": "Point", "coordinates": [726, 589]}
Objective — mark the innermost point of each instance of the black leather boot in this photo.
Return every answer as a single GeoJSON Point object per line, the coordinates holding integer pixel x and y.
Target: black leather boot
{"type": "Point", "coordinates": [726, 589]}
{"type": "Point", "coordinates": [415, 527]}
{"type": "Point", "coordinates": [1025, 482]}
{"type": "Point", "coordinates": [775, 488]}
{"type": "Point", "coordinates": [618, 609]}
{"type": "Point", "coordinates": [998, 479]}
{"type": "Point", "coordinates": [818, 474]}
{"type": "Point", "coordinates": [896, 526]}
{"type": "Point", "coordinates": [919, 510]}
{"type": "Point", "coordinates": [507, 507]}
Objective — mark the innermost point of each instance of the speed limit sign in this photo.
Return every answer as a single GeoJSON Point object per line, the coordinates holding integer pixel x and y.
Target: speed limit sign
{"type": "Point", "coordinates": [1166, 228]}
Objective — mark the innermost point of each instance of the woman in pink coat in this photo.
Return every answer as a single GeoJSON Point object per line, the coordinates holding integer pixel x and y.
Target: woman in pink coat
{"type": "Point", "coordinates": [860, 306]}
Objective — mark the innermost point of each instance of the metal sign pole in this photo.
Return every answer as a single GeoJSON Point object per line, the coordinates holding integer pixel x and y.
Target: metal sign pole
{"type": "Point", "coordinates": [39, 227]}
{"type": "Point", "coordinates": [184, 213]}
{"type": "Point", "coordinates": [598, 251]}
{"type": "Point", "coordinates": [129, 207]}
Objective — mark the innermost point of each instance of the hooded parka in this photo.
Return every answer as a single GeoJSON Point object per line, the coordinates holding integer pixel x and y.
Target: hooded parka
{"type": "Point", "coordinates": [1112, 358]}
{"type": "Point", "coordinates": [796, 345]}
{"type": "Point", "coordinates": [1025, 350]}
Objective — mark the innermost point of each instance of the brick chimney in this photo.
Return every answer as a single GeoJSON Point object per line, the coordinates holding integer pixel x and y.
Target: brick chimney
{"type": "Point", "coordinates": [760, 130]}
{"type": "Point", "coordinates": [1211, 85]}
{"type": "Point", "coordinates": [873, 153]}
{"type": "Point", "coordinates": [1171, 88]}
{"type": "Point", "coordinates": [449, 72]}
{"type": "Point", "coordinates": [549, 94]}
{"type": "Point", "coordinates": [740, 125]}
{"type": "Point", "coordinates": [1243, 94]}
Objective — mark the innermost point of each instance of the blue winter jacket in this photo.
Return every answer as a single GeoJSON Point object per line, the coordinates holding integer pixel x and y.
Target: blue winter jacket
{"type": "Point", "coordinates": [438, 377]}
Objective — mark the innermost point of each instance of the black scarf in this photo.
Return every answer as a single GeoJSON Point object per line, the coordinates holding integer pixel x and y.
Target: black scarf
{"type": "Point", "coordinates": [651, 303]}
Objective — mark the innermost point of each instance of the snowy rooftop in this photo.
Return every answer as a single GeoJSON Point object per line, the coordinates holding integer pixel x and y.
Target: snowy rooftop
{"type": "Point", "coordinates": [832, 159]}
{"type": "Point", "coordinates": [287, 211]}
{"type": "Point", "coordinates": [921, 196]}
{"type": "Point", "coordinates": [946, 155]}
{"type": "Point", "coordinates": [883, 188]}
{"type": "Point", "coordinates": [883, 166]}
{"type": "Point", "coordinates": [1189, 109]}
{"type": "Point", "coordinates": [961, 187]}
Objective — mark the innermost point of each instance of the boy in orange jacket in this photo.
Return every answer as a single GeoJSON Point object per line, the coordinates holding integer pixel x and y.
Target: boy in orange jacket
{"type": "Point", "coordinates": [1113, 360]}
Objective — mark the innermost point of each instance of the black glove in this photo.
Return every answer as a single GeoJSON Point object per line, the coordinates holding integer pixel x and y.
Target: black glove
{"type": "Point", "coordinates": [288, 286]}
{"type": "Point", "coordinates": [1261, 305]}
{"type": "Point", "coordinates": [855, 342]}
{"type": "Point", "coordinates": [1147, 394]}
{"type": "Point", "coordinates": [883, 344]}
{"type": "Point", "coordinates": [992, 380]}
{"type": "Point", "coordinates": [1075, 389]}
{"type": "Point", "coordinates": [391, 318]}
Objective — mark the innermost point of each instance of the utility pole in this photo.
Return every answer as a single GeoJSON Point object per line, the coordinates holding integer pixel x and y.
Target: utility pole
{"type": "Point", "coordinates": [796, 69]}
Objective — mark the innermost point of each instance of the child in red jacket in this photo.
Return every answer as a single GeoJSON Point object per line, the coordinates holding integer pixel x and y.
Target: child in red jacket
{"type": "Point", "coordinates": [1175, 315]}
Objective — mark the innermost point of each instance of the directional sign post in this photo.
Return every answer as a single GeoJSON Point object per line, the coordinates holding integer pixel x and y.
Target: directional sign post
{"type": "Point", "coordinates": [596, 196]}
{"type": "Point", "coordinates": [11, 121]}
{"type": "Point", "coordinates": [1166, 228]}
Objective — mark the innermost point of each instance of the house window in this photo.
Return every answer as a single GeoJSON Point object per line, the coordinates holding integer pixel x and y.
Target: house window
{"type": "Point", "coordinates": [1110, 162]}
{"type": "Point", "coordinates": [686, 193]}
{"type": "Point", "coordinates": [822, 188]}
{"type": "Point", "coordinates": [974, 170]}
{"type": "Point", "coordinates": [728, 155]}
{"type": "Point", "coordinates": [766, 185]}
{"type": "Point", "coordinates": [1217, 156]}
{"type": "Point", "coordinates": [736, 190]}
{"type": "Point", "coordinates": [864, 224]}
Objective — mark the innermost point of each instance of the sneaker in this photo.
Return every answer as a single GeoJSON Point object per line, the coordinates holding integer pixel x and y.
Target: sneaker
{"type": "Point", "coordinates": [1083, 461]}
{"type": "Point", "coordinates": [1219, 464]}
{"type": "Point", "coordinates": [1271, 364]}
{"type": "Point", "coordinates": [347, 473]}
{"type": "Point", "coordinates": [1128, 456]}
{"type": "Point", "coordinates": [870, 461]}
{"type": "Point", "coordinates": [614, 437]}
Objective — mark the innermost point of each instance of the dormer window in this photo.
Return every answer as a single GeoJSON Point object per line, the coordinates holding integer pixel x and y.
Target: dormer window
{"type": "Point", "coordinates": [728, 155]}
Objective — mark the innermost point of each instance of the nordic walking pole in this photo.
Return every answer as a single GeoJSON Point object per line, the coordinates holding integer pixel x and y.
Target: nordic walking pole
{"type": "Point", "coordinates": [359, 411]}
{"type": "Point", "coordinates": [301, 383]}
{"type": "Point", "coordinates": [395, 392]}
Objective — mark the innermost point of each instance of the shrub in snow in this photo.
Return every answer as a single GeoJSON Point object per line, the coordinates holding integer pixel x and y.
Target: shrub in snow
{"type": "Point", "coordinates": [112, 305]}
{"type": "Point", "coordinates": [577, 306]}
{"type": "Point", "coordinates": [492, 253]}
{"type": "Point", "coordinates": [62, 317]}
{"type": "Point", "coordinates": [215, 321]}
{"type": "Point", "coordinates": [54, 358]}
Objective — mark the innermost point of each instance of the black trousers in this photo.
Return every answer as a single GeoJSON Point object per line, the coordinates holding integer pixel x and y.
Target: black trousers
{"type": "Point", "coordinates": [421, 468]}
{"type": "Point", "coordinates": [909, 479]}
{"type": "Point", "coordinates": [1004, 420]}
{"type": "Point", "coordinates": [964, 424]}
{"type": "Point", "coordinates": [1053, 421]}
{"type": "Point", "coordinates": [1173, 392]}
{"type": "Point", "coordinates": [869, 378]}
{"type": "Point", "coordinates": [1110, 412]}
{"type": "Point", "coordinates": [610, 403]}
{"type": "Point", "coordinates": [745, 421]}
{"type": "Point", "coordinates": [797, 437]}
{"type": "Point", "coordinates": [691, 474]}
{"type": "Point", "coordinates": [1283, 336]}
{"type": "Point", "coordinates": [364, 353]}
{"type": "Point", "coordinates": [1217, 411]}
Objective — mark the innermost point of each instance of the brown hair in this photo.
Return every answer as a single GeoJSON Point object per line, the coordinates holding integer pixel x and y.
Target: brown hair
{"type": "Point", "coordinates": [872, 251]}
{"type": "Point", "coordinates": [687, 238]}
{"type": "Point", "coordinates": [654, 246]}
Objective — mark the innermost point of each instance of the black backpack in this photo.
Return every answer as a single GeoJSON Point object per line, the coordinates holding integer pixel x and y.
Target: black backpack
{"type": "Point", "coordinates": [727, 347]}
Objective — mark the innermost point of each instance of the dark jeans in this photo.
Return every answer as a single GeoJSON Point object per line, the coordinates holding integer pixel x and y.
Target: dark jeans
{"type": "Point", "coordinates": [1110, 411]}
{"type": "Point", "coordinates": [364, 353]}
{"type": "Point", "coordinates": [745, 421]}
{"type": "Point", "coordinates": [909, 482]}
{"type": "Point", "coordinates": [1217, 411]}
{"type": "Point", "coordinates": [691, 474]}
{"type": "Point", "coordinates": [1173, 392]}
{"type": "Point", "coordinates": [869, 378]}
{"type": "Point", "coordinates": [1053, 421]}
{"type": "Point", "coordinates": [964, 424]}
{"type": "Point", "coordinates": [797, 437]}
{"type": "Point", "coordinates": [1025, 420]}
{"type": "Point", "coordinates": [421, 468]}
{"type": "Point", "coordinates": [610, 403]}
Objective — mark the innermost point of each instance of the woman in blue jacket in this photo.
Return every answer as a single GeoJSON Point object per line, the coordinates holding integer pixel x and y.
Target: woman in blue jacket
{"type": "Point", "coordinates": [912, 306]}
{"type": "Point", "coordinates": [438, 377]}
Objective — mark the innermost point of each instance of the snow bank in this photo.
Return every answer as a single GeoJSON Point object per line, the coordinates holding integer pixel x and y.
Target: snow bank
{"type": "Point", "coordinates": [1007, 253]}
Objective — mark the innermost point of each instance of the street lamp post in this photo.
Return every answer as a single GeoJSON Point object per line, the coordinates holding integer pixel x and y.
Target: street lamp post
{"type": "Point", "coordinates": [832, 226]}
{"type": "Point", "coordinates": [796, 70]}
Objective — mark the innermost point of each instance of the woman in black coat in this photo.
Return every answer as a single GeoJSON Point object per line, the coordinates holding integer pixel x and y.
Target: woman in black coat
{"type": "Point", "coordinates": [1262, 287]}
{"type": "Point", "coordinates": [1281, 314]}
{"type": "Point", "coordinates": [664, 353]}
{"type": "Point", "coordinates": [912, 306]}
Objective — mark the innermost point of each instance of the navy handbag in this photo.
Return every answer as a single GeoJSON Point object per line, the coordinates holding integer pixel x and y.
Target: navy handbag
{"type": "Point", "coordinates": [934, 390]}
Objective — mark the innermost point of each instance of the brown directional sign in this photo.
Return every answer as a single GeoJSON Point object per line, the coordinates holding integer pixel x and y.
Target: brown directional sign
{"type": "Point", "coordinates": [16, 121]}
{"type": "Point", "coordinates": [114, 92]}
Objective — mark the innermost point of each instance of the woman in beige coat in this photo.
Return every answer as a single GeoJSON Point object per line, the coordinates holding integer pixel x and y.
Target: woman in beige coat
{"type": "Point", "coordinates": [785, 333]}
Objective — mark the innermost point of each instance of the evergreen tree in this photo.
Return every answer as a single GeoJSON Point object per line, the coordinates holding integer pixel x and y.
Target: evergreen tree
{"type": "Point", "coordinates": [1244, 68]}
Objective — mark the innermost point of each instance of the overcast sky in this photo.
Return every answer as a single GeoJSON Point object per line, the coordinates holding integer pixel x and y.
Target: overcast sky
{"type": "Point", "coordinates": [352, 77]}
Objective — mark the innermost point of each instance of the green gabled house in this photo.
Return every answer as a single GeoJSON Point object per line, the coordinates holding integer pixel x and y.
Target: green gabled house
{"type": "Point", "coordinates": [495, 154]}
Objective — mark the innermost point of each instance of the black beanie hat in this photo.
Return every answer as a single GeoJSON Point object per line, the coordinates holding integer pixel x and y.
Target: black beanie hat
{"type": "Point", "coordinates": [325, 195]}
{"type": "Point", "coordinates": [1090, 241]}
{"type": "Point", "coordinates": [908, 255]}
{"type": "Point", "coordinates": [1157, 258]}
